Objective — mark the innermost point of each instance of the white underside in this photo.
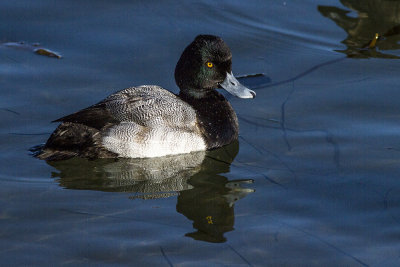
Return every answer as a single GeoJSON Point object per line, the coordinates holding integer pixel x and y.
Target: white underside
{"type": "Point", "coordinates": [129, 140]}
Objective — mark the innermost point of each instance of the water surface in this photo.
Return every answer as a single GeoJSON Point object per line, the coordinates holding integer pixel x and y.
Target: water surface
{"type": "Point", "coordinates": [313, 179]}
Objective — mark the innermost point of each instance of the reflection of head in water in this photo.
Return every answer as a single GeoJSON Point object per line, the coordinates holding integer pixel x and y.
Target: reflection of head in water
{"type": "Point", "coordinates": [210, 201]}
{"type": "Point", "coordinates": [380, 17]}
{"type": "Point", "coordinates": [210, 205]}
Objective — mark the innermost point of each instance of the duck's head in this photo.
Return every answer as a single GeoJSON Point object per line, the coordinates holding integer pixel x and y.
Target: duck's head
{"type": "Point", "coordinates": [206, 64]}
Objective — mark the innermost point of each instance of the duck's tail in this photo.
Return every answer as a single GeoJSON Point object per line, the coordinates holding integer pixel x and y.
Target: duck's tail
{"type": "Point", "coordinates": [72, 140]}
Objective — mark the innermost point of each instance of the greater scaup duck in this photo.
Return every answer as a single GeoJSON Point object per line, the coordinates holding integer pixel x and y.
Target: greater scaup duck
{"type": "Point", "coordinates": [149, 121]}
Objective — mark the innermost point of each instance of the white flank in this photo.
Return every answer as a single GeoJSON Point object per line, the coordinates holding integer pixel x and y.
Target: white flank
{"type": "Point", "coordinates": [130, 140]}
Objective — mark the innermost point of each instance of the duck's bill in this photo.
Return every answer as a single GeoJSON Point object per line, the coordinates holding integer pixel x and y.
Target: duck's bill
{"type": "Point", "coordinates": [233, 86]}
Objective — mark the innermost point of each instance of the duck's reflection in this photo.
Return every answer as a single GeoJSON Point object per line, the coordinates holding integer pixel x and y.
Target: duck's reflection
{"type": "Point", "coordinates": [210, 205]}
{"type": "Point", "coordinates": [380, 17]}
{"type": "Point", "coordinates": [204, 195]}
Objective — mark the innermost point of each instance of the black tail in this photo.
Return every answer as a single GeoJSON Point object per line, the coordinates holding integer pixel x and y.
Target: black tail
{"type": "Point", "coordinates": [72, 140]}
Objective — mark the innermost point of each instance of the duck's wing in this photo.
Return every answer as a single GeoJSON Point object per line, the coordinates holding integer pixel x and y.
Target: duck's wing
{"type": "Point", "coordinates": [148, 105]}
{"type": "Point", "coordinates": [96, 116]}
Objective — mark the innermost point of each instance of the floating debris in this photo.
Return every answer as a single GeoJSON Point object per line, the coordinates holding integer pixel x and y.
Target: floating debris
{"type": "Point", "coordinates": [46, 52]}
{"type": "Point", "coordinates": [35, 48]}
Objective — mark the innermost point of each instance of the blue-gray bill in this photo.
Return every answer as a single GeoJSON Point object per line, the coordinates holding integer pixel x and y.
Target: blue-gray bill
{"type": "Point", "coordinates": [233, 86]}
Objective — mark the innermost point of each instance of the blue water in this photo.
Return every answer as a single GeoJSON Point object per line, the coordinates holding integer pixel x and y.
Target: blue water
{"type": "Point", "coordinates": [312, 181]}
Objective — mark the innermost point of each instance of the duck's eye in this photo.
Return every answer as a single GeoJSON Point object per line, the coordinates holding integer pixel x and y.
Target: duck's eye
{"type": "Point", "coordinates": [209, 64]}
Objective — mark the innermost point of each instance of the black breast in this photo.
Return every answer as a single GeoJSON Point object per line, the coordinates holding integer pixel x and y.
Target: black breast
{"type": "Point", "coordinates": [216, 117]}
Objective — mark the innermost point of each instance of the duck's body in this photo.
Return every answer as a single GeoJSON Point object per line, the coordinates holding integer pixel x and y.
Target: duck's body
{"type": "Point", "coordinates": [149, 121]}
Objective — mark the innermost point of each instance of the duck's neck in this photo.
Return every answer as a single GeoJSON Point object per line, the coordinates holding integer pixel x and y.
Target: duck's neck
{"type": "Point", "coordinates": [217, 119]}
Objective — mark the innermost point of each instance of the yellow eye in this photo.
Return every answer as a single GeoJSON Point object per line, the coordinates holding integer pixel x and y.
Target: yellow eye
{"type": "Point", "coordinates": [209, 64]}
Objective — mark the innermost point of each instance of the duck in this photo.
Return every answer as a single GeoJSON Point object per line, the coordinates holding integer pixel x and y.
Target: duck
{"type": "Point", "coordinates": [149, 121]}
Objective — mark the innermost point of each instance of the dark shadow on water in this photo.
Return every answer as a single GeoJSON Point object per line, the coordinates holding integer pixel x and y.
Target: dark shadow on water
{"type": "Point", "coordinates": [205, 196]}
{"type": "Point", "coordinates": [254, 80]}
{"type": "Point", "coordinates": [380, 17]}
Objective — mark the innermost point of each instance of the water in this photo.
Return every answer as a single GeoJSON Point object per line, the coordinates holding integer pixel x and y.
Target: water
{"type": "Point", "coordinates": [312, 181]}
